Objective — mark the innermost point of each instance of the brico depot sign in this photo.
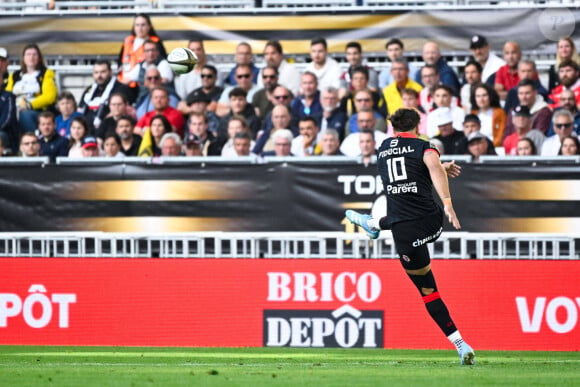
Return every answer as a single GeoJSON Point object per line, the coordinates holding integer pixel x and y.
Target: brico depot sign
{"type": "Point", "coordinates": [344, 327]}
{"type": "Point", "coordinates": [304, 303]}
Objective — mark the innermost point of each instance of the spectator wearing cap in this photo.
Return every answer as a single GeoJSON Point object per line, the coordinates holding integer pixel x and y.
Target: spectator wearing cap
{"type": "Point", "coordinates": [239, 106]}
{"type": "Point", "coordinates": [478, 145]}
{"type": "Point", "coordinates": [472, 124]}
{"type": "Point", "coordinates": [288, 75]}
{"type": "Point", "coordinates": [8, 123]}
{"type": "Point", "coordinates": [563, 123]}
{"type": "Point", "coordinates": [262, 99]}
{"type": "Point", "coordinates": [282, 140]}
{"type": "Point", "coordinates": [507, 76]}
{"type": "Point", "coordinates": [432, 56]}
{"type": "Point", "coordinates": [198, 102]}
{"type": "Point", "coordinates": [401, 80]}
{"type": "Point", "coordinates": [243, 74]}
{"type": "Point", "coordinates": [485, 103]}
{"type": "Point", "coordinates": [130, 141]}
{"type": "Point", "coordinates": [209, 87]}
{"type": "Point", "coordinates": [90, 147]}
{"type": "Point", "coordinates": [395, 49]}
{"type": "Point", "coordinates": [541, 114]}
{"type": "Point", "coordinates": [472, 73]}
{"type": "Point", "coordinates": [569, 75]}
{"type": "Point", "coordinates": [522, 123]}
{"type": "Point", "coordinates": [454, 141]}
{"type": "Point", "coordinates": [192, 145]}
{"type": "Point", "coordinates": [237, 124]}
{"type": "Point", "coordinates": [170, 144]}
{"type": "Point", "coordinates": [489, 61]}
{"type": "Point", "coordinates": [52, 144]}
{"type": "Point", "coordinates": [3, 66]}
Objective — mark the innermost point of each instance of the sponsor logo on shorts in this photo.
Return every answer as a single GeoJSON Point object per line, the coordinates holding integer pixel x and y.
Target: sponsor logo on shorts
{"type": "Point", "coordinates": [421, 242]}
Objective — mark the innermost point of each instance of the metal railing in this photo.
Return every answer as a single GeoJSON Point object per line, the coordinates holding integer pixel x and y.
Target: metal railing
{"type": "Point", "coordinates": [451, 245]}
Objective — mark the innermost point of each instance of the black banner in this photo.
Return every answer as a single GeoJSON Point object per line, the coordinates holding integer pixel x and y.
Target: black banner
{"type": "Point", "coordinates": [269, 197]}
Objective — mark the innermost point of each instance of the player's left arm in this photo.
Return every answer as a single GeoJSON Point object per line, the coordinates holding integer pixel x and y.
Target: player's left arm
{"type": "Point", "coordinates": [441, 184]}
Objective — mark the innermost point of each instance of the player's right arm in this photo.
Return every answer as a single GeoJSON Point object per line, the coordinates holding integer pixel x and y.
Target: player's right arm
{"type": "Point", "coordinates": [441, 184]}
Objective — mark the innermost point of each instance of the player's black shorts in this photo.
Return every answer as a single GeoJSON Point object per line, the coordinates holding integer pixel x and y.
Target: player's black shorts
{"type": "Point", "coordinates": [411, 238]}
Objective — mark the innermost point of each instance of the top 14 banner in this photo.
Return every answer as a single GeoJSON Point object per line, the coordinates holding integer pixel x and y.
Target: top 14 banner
{"type": "Point", "coordinates": [497, 305]}
{"type": "Point", "coordinates": [269, 197]}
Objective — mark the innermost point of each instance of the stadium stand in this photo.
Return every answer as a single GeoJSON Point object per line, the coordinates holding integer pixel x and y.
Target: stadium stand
{"type": "Point", "coordinates": [74, 68]}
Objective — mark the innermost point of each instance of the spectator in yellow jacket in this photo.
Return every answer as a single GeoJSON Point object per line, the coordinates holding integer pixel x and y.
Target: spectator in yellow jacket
{"type": "Point", "coordinates": [34, 86]}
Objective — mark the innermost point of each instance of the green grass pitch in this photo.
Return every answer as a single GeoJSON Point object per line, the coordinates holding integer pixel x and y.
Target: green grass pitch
{"type": "Point", "coordinates": [116, 366]}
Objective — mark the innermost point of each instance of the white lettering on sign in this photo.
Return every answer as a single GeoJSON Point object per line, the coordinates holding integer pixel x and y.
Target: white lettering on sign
{"type": "Point", "coordinates": [325, 287]}
{"type": "Point", "coordinates": [37, 308]}
{"type": "Point", "coordinates": [361, 185]}
{"type": "Point", "coordinates": [548, 311]}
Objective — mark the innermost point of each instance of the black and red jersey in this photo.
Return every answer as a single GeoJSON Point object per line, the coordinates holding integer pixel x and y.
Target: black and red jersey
{"type": "Point", "coordinates": [406, 179]}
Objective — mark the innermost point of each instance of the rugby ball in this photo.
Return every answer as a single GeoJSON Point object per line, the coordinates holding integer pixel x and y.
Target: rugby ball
{"type": "Point", "coordinates": [182, 60]}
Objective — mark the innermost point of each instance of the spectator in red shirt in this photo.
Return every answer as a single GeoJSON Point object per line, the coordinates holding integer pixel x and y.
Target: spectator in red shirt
{"type": "Point", "coordinates": [568, 73]}
{"type": "Point", "coordinates": [160, 100]}
{"type": "Point", "coordinates": [507, 76]}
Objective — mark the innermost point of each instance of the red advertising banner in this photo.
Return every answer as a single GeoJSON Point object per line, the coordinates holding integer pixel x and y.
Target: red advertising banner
{"type": "Point", "coordinates": [503, 305]}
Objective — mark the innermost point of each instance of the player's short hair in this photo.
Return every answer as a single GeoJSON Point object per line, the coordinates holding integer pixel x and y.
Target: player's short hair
{"type": "Point", "coordinates": [405, 120]}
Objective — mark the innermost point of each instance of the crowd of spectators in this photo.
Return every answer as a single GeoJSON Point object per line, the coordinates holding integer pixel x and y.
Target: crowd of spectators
{"type": "Point", "coordinates": [498, 105]}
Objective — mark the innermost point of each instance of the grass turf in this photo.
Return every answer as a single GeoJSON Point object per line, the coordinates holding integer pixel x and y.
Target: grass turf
{"type": "Point", "coordinates": [114, 366]}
